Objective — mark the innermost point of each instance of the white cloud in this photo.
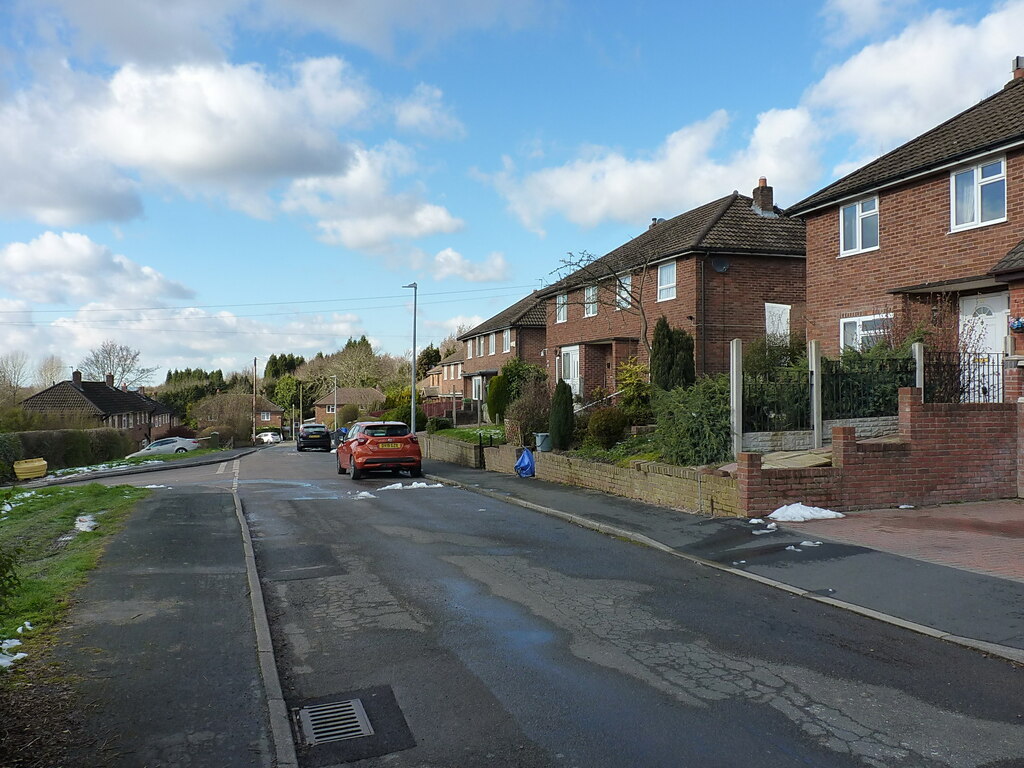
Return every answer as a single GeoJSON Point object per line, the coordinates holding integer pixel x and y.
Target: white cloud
{"type": "Point", "coordinates": [603, 184]}
{"type": "Point", "coordinates": [454, 324]}
{"type": "Point", "coordinates": [424, 112]}
{"type": "Point", "coordinates": [358, 208]}
{"type": "Point", "coordinates": [451, 263]}
{"type": "Point", "coordinates": [65, 268]}
{"type": "Point", "coordinates": [850, 20]}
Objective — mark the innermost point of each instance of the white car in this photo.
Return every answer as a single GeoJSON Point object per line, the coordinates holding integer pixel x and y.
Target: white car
{"type": "Point", "coordinates": [167, 445]}
{"type": "Point", "coordinates": [270, 438]}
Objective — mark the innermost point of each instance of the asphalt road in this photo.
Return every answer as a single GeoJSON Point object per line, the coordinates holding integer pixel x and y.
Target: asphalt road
{"type": "Point", "coordinates": [478, 633]}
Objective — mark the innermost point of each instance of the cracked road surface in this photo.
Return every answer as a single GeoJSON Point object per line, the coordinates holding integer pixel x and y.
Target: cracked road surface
{"type": "Point", "coordinates": [513, 639]}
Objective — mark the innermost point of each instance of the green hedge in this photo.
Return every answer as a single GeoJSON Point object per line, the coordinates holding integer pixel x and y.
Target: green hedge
{"type": "Point", "coordinates": [63, 448]}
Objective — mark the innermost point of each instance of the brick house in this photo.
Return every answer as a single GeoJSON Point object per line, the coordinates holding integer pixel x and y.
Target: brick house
{"type": "Point", "coordinates": [430, 385]}
{"type": "Point", "coordinates": [367, 398]}
{"type": "Point", "coordinates": [451, 372]}
{"type": "Point", "coordinates": [936, 221]}
{"type": "Point", "coordinates": [108, 405]}
{"type": "Point", "coordinates": [732, 268]}
{"type": "Point", "coordinates": [220, 408]}
{"type": "Point", "coordinates": [516, 332]}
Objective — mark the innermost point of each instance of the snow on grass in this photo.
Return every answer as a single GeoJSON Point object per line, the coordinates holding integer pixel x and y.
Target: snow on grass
{"type": "Point", "coordinates": [101, 467]}
{"type": "Point", "coordinates": [800, 513]}
{"type": "Point", "coordinates": [6, 658]}
{"type": "Point", "coordinates": [85, 523]}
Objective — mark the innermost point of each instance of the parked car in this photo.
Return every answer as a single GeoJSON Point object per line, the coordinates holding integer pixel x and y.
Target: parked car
{"type": "Point", "coordinates": [313, 436]}
{"type": "Point", "coordinates": [269, 438]}
{"type": "Point", "coordinates": [167, 445]}
{"type": "Point", "coordinates": [375, 446]}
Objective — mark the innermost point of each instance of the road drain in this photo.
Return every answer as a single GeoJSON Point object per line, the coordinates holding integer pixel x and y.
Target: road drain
{"type": "Point", "coordinates": [336, 721]}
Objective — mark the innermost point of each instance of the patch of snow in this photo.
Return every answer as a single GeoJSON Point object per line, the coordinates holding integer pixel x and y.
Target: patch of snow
{"type": "Point", "coordinates": [85, 523]}
{"type": "Point", "coordinates": [755, 521]}
{"type": "Point", "coordinates": [906, 506]}
{"type": "Point", "coordinates": [791, 548]}
{"type": "Point", "coordinates": [399, 486]}
{"type": "Point", "coordinates": [799, 513]}
{"type": "Point", "coordinates": [364, 495]}
{"type": "Point", "coordinates": [156, 486]}
{"type": "Point", "coordinates": [761, 532]}
{"type": "Point", "coordinates": [810, 543]}
{"type": "Point", "coordinates": [27, 625]}
{"type": "Point", "coordinates": [738, 562]}
{"type": "Point", "coordinates": [333, 450]}
{"type": "Point", "coordinates": [6, 659]}
{"type": "Point", "coordinates": [425, 485]}
{"type": "Point", "coordinates": [392, 487]}
{"type": "Point", "coordinates": [771, 526]}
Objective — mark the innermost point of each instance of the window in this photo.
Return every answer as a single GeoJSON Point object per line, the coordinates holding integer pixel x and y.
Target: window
{"type": "Point", "coordinates": [479, 346]}
{"type": "Point", "coordinates": [858, 227]}
{"type": "Point", "coordinates": [561, 307]}
{"type": "Point", "coordinates": [506, 340]}
{"type": "Point", "coordinates": [776, 320]}
{"type": "Point", "coordinates": [469, 350]}
{"type": "Point", "coordinates": [265, 415]}
{"type": "Point", "coordinates": [490, 343]}
{"type": "Point", "coordinates": [863, 332]}
{"type": "Point", "coordinates": [978, 195]}
{"type": "Point", "coordinates": [590, 301]}
{"type": "Point", "coordinates": [478, 387]}
{"type": "Point", "coordinates": [330, 409]}
{"type": "Point", "coordinates": [667, 281]}
{"type": "Point", "coordinates": [624, 294]}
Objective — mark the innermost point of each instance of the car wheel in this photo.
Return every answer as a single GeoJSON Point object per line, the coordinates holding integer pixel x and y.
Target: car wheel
{"type": "Point", "coordinates": [181, 450]}
{"type": "Point", "coordinates": [416, 471]}
{"type": "Point", "coordinates": [353, 469]}
{"type": "Point", "coordinates": [299, 448]}
{"type": "Point", "coordinates": [341, 470]}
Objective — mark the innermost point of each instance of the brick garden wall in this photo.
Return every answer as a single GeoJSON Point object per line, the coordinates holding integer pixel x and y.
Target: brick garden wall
{"type": "Point", "coordinates": [453, 451]}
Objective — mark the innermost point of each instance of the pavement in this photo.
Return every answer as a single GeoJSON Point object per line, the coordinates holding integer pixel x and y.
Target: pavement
{"type": "Point", "coordinates": [954, 572]}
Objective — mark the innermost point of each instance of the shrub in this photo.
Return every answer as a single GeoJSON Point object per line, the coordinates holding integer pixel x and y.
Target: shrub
{"type": "Point", "coordinates": [634, 384]}
{"type": "Point", "coordinates": [497, 398]}
{"type": "Point", "coordinates": [581, 421]}
{"type": "Point", "coordinates": [108, 444]}
{"type": "Point", "coordinates": [671, 357]}
{"type": "Point", "coordinates": [435, 423]}
{"type": "Point", "coordinates": [693, 423]}
{"type": "Point", "coordinates": [183, 431]}
{"type": "Point", "coordinates": [9, 580]}
{"type": "Point", "coordinates": [560, 423]}
{"type": "Point", "coordinates": [532, 409]}
{"type": "Point", "coordinates": [77, 448]}
{"type": "Point", "coordinates": [403, 413]}
{"type": "Point", "coordinates": [348, 413]}
{"type": "Point", "coordinates": [518, 375]}
{"type": "Point", "coordinates": [10, 452]}
{"type": "Point", "coordinates": [606, 426]}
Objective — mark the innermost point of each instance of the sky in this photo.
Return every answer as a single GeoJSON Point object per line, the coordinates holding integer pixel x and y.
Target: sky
{"type": "Point", "coordinates": [212, 181]}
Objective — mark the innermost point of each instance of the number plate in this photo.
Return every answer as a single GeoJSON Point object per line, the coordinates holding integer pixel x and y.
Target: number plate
{"type": "Point", "coordinates": [389, 445]}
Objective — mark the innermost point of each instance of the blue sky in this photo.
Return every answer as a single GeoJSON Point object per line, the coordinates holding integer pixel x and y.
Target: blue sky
{"type": "Point", "coordinates": [215, 180]}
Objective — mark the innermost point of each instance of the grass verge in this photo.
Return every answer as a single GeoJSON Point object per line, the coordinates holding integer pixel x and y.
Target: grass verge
{"type": "Point", "coordinates": [40, 712]}
{"type": "Point", "coordinates": [495, 432]}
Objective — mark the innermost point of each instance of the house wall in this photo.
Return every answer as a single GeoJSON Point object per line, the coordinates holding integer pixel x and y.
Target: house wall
{"type": "Point", "coordinates": [946, 452]}
{"type": "Point", "coordinates": [527, 344]}
{"type": "Point", "coordinates": [915, 246]}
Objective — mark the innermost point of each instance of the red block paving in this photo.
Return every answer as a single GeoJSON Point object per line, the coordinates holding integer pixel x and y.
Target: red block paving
{"type": "Point", "coordinates": [982, 536]}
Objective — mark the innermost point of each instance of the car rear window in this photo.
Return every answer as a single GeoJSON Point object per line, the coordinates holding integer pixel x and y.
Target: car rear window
{"type": "Point", "coordinates": [312, 431]}
{"type": "Point", "coordinates": [386, 430]}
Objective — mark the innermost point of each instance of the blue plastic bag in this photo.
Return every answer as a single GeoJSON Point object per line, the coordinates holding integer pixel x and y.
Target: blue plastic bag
{"type": "Point", "coordinates": [524, 465]}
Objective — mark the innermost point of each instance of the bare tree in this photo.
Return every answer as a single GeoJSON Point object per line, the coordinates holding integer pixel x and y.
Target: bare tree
{"type": "Point", "coordinates": [451, 343]}
{"type": "Point", "coordinates": [13, 376]}
{"type": "Point", "coordinates": [118, 359]}
{"type": "Point", "coordinates": [50, 370]}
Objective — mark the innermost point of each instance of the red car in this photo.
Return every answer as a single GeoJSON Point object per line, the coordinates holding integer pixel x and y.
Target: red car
{"type": "Point", "coordinates": [375, 446]}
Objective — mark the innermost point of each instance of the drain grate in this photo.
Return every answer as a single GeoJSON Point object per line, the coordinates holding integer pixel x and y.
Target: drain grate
{"type": "Point", "coordinates": [336, 721]}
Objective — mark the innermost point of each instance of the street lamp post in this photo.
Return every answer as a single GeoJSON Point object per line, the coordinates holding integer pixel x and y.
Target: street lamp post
{"type": "Point", "coordinates": [412, 412]}
{"type": "Point", "coordinates": [335, 377]}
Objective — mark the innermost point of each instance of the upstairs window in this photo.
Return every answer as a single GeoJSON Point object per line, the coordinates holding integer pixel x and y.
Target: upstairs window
{"type": "Point", "coordinates": [624, 294]}
{"type": "Point", "coordinates": [590, 301]}
{"type": "Point", "coordinates": [506, 340]}
{"type": "Point", "coordinates": [858, 227]}
{"type": "Point", "coordinates": [561, 308]}
{"type": "Point", "coordinates": [479, 346]}
{"type": "Point", "coordinates": [469, 349]}
{"type": "Point", "coordinates": [978, 195]}
{"type": "Point", "coordinates": [667, 281]}
{"type": "Point", "coordinates": [490, 344]}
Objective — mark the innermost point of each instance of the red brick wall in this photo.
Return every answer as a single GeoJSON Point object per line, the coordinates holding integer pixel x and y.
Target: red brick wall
{"type": "Point", "coordinates": [947, 452]}
{"type": "Point", "coordinates": [916, 246]}
{"type": "Point", "coordinates": [528, 344]}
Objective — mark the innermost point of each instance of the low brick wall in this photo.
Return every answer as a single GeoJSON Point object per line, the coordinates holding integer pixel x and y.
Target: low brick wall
{"type": "Point", "coordinates": [945, 453]}
{"type": "Point", "coordinates": [803, 440]}
{"type": "Point", "coordinates": [452, 451]}
{"type": "Point", "coordinates": [682, 488]}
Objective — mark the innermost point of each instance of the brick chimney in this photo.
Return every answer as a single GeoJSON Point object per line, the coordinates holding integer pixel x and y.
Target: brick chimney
{"type": "Point", "coordinates": [1018, 67]}
{"type": "Point", "coordinates": [110, 379]}
{"type": "Point", "coordinates": [763, 196]}
{"type": "Point", "coordinates": [76, 379]}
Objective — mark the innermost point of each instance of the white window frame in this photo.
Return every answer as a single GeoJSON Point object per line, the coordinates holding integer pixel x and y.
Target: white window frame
{"type": "Point", "coordinates": [624, 292]}
{"type": "Point", "coordinates": [479, 346]}
{"type": "Point", "coordinates": [264, 415]}
{"type": "Point", "coordinates": [506, 340]}
{"type": "Point", "coordinates": [861, 334]}
{"type": "Point", "coordinates": [848, 249]}
{"type": "Point", "coordinates": [666, 287]}
{"type": "Point", "coordinates": [561, 307]}
{"type": "Point", "coordinates": [469, 349]}
{"type": "Point", "coordinates": [590, 301]}
{"type": "Point", "coordinates": [979, 182]}
{"type": "Point", "coordinates": [330, 409]}
{"type": "Point", "coordinates": [491, 346]}
{"type": "Point", "coordinates": [478, 387]}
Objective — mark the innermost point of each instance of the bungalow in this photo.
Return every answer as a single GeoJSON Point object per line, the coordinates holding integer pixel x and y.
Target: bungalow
{"type": "Point", "coordinates": [367, 398]}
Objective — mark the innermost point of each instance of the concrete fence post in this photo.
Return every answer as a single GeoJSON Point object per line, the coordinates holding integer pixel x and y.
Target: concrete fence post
{"type": "Point", "coordinates": [814, 371]}
{"type": "Point", "coordinates": [736, 394]}
{"type": "Point", "coordinates": [917, 350]}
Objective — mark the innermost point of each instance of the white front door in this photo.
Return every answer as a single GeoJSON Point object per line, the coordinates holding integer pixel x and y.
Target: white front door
{"type": "Point", "coordinates": [984, 324]}
{"type": "Point", "coordinates": [571, 369]}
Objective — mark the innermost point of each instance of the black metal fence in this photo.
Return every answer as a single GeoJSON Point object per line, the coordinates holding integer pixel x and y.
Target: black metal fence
{"type": "Point", "coordinates": [963, 377]}
{"type": "Point", "coordinates": [777, 403]}
{"type": "Point", "coordinates": [862, 388]}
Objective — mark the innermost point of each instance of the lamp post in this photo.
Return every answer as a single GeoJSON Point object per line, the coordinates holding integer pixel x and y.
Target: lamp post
{"type": "Point", "coordinates": [335, 377]}
{"type": "Point", "coordinates": [412, 412]}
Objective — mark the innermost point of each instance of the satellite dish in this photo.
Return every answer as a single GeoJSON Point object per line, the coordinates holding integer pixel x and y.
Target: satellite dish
{"type": "Point", "coordinates": [720, 264]}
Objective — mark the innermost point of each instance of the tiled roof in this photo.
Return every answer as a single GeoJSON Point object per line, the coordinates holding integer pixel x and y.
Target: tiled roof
{"type": "Point", "coordinates": [988, 125]}
{"type": "Point", "coordinates": [458, 356]}
{"type": "Point", "coordinates": [364, 396]}
{"type": "Point", "coordinates": [528, 312]}
{"type": "Point", "coordinates": [727, 225]}
{"type": "Point", "coordinates": [91, 398]}
{"type": "Point", "coordinates": [1012, 261]}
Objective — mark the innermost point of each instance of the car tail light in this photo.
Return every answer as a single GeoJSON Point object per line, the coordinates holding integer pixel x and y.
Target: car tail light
{"type": "Point", "coordinates": [361, 441]}
{"type": "Point", "coordinates": [413, 439]}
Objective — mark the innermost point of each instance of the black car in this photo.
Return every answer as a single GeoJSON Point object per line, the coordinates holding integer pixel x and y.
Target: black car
{"type": "Point", "coordinates": [313, 436]}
